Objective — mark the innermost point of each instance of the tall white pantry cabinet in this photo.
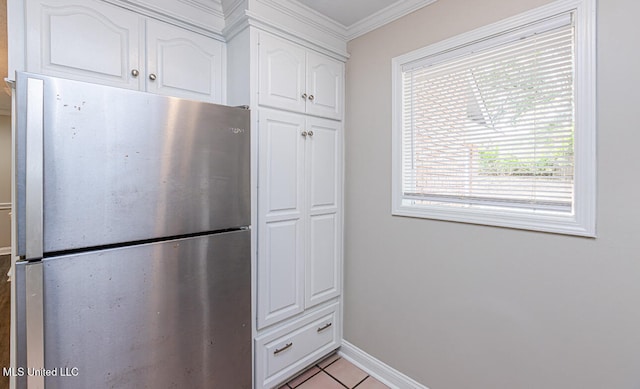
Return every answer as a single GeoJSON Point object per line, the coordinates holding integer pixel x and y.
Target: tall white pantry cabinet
{"type": "Point", "coordinates": [299, 226]}
{"type": "Point", "coordinates": [289, 70]}
{"type": "Point", "coordinates": [296, 93]}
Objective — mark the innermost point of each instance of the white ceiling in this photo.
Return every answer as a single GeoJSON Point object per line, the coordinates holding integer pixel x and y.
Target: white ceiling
{"type": "Point", "coordinates": [348, 12]}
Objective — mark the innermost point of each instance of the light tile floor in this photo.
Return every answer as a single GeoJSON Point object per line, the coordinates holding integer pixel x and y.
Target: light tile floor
{"type": "Point", "coordinates": [334, 372]}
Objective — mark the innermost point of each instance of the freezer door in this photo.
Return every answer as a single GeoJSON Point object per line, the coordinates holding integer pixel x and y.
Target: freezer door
{"type": "Point", "coordinates": [175, 314]}
{"type": "Point", "coordinates": [117, 165]}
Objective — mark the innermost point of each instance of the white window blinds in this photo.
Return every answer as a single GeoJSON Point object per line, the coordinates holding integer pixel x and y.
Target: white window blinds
{"type": "Point", "coordinates": [492, 124]}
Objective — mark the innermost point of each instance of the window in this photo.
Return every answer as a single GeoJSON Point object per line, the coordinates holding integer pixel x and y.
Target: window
{"type": "Point", "coordinates": [497, 126]}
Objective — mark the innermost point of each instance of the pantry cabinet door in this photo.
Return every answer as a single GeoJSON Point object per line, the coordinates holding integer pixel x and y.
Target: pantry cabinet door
{"type": "Point", "coordinates": [83, 40]}
{"type": "Point", "coordinates": [183, 64]}
{"type": "Point", "coordinates": [281, 74]}
{"type": "Point", "coordinates": [324, 86]}
{"type": "Point", "coordinates": [281, 229]}
{"type": "Point", "coordinates": [324, 231]}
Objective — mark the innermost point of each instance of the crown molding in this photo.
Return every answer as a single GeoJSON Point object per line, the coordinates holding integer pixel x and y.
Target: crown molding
{"type": "Point", "coordinates": [386, 15]}
{"type": "Point", "coordinates": [308, 16]}
{"type": "Point", "coordinates": [237, 11]}
{"type": "Point", "coordinates": [337, 30]}
{"type": "Point", "coordinates": [213, 7]}
{"type": "Point", "coordinates": [232, 7]}
{"type": "Point", "coordinates": [235, 25]}
{"type": "Point", "coordinates": [147, 8]}
{"type": "Point", "coordinates": [280, 17]}
{"type": "Point", "coordinates": [234, 17]}
{"type": "Point", "coordinates": [289, 19]}
{"type": "Point", "coordinates": [225, 15]}
{"type": "Point", "coordinates": [282, 31]}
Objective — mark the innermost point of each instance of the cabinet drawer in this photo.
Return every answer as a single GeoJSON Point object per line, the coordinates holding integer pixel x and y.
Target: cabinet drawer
{"type": "Point", "coordinates": [288, 350]}
{"type": "Point", "coordinates": [296, 345]}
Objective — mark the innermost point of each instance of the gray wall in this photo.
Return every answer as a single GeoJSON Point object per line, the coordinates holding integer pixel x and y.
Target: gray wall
{"type": "Point", "coordinates": [458, 306]}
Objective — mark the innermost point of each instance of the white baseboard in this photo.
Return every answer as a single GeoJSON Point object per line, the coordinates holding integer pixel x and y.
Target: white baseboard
{"type": "Point", "coordinates": [5, 250]}
{"type": "Point", "coordinates": [378, 369]}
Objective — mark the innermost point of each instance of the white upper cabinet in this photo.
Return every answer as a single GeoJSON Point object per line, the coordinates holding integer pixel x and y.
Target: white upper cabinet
{"type": "Point", "coordinates": [100, 43]}
{"type": "Point", "coordinates": [182, 63]}
{"type": "Point", "coordinates": [282, 74]}
{"type": "Point", "coordinates": [298, 79]}
{"type": "Point", "coordinates": [324, 86]}
{"type": "Point", "coordinates": [83, 40]}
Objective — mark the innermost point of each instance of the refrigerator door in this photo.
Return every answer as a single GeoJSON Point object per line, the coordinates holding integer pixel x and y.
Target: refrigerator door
{"type": "Point", "coordinates": [117, 165]}
{"type": "Point", "coordinates": [174, 314]}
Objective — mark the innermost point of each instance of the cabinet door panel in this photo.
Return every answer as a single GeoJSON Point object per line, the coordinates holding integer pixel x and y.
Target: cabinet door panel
{"type": "Point", "coordinates": [323, 164]}
{"type": "Point", "coordinates": [323, 182]}
{"type": "Point", "coordinates": [87, 41]}
{"type": "Point", "coordinates": [280, 216]}
{"type": "Point", "coordinates": [281, 74]}
{"type": "Point", "coordinates": [280, 271]}
{"type": "Point", "coordinates": [325, 84]}
{"type": "Point", "coordinates": [281, 163]}
{"type": "Point", "coordinates": [323, 259]}
{"type": "Point", "coordinates": [185, 64]}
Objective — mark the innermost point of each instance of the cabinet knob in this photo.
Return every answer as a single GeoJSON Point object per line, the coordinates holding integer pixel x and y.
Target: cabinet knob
{"type": "Point", "coordinates": [310, 133]}
{"type": "Point", "coordinates": [152, 77]}
{"type": "Point", "coordinates": [304, 133]}
{"type": "Point", "coordinates": [304, 95]}
{"type": "Point", "coordinates": [135, 72]}
{"type": "Point", "coordinates": [311, 97]}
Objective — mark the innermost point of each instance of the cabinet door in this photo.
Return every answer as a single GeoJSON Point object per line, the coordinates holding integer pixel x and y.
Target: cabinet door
{"type": "Point", "coordinates": [281, 74]}
{"type": "Point", "coordinates": [83, 40]}
{"type": "Point", "coordinates": [280, 216]}
{"type": "Point", "coordinates": [182, 63]}
{"type": "Point", "coordinates": [324, 232]}
{"type": "Point", "coordinates": [324, 86]}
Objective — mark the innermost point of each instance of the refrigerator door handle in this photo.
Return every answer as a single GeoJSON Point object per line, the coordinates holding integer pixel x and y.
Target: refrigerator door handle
{"type": "Point", "coordinates": [34, 318]}
{"type": "Point", "coordinates": [34, 182]}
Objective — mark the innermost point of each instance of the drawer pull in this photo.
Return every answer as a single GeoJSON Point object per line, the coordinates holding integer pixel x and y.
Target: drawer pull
{"type": "Point", "coordinates": [324, 327]}
{"type": "Point", "coordinates": [286, 347]}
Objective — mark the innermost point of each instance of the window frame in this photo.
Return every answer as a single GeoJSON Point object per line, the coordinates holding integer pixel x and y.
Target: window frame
{"type": "Point", "coordinates": [581, 221]}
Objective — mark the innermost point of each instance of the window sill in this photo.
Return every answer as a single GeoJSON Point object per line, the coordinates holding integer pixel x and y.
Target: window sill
{"type": "Point", "coordinates": [559, 223]}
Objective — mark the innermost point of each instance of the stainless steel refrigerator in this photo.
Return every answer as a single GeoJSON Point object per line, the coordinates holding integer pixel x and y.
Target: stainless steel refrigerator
{"type": "Point", "coordinates": [133, 226]}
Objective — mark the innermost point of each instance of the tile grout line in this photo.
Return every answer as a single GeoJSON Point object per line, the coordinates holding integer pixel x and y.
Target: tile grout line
{"type": "Point", "coordinates": [363, 380]}
{"type": "Point", "coordinates": [318, 372]}
{"type": "Point", "coordinates": [335, 379]}
{"type": "Point", "coordinates": [323, 370]}
{"type": "Point", "coordinates": [340, 382]}
{"type": "Point", "coordinates": [327, 373]}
